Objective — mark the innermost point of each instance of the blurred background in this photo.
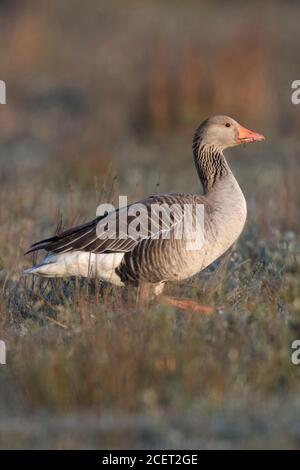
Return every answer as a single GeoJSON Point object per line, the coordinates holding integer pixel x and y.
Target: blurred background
{"type": "Point", "coordinates": [103, 98]}
{"type": "Point", "coordinates": [121, 86]}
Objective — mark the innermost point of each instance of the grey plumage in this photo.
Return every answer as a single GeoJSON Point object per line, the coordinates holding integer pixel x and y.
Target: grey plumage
{"type": "Point", "coordinates": [145, 259]}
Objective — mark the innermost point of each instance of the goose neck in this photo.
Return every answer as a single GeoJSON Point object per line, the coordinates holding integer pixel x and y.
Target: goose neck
{"type": "Point", "coordinates": [211, 165]}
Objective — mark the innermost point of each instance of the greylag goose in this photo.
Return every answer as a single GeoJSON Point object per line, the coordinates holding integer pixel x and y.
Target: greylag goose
{"type": "Point", "coordinates": [149, 261]}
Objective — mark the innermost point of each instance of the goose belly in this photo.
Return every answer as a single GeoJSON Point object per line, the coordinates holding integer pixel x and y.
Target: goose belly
{"type": "Point", "coordinates": [80, 263]}
{"type": "Point", "coordinates": [220, 234]}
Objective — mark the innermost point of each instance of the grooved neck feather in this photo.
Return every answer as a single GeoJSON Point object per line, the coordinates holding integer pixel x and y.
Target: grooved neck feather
{"type": "Point", "coordinates": [210, 163]}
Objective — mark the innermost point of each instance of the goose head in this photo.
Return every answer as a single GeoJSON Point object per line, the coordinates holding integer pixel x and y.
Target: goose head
{"type": "Point", "coordinates": [222, 132]}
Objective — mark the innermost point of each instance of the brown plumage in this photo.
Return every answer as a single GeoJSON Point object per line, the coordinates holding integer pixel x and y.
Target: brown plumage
{"type": "Point", "coordinates": [122, 259]}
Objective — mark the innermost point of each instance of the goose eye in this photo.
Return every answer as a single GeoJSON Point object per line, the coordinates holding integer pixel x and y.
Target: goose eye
{"type": "Point", "coordinates": [227, 124]}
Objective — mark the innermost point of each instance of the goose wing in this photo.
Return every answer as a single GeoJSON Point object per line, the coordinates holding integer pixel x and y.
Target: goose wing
{"type": "Point", "coordinates": [110, 233]}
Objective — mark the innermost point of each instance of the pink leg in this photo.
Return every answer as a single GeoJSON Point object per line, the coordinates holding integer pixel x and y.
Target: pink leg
{"type": "Point", "coordinates": [186, 304]}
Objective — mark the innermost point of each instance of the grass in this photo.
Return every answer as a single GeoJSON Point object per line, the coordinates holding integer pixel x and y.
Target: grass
{"type": "Point", "coordinates": [79, 351]}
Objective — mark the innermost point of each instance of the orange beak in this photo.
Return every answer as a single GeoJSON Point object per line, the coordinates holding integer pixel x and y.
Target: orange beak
{"type": "Point", "coordinates": [245, 135]}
